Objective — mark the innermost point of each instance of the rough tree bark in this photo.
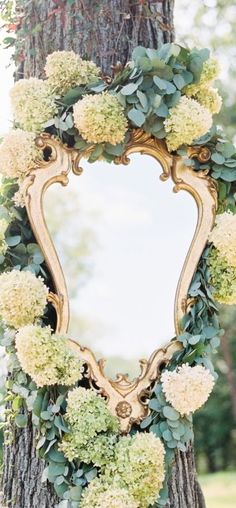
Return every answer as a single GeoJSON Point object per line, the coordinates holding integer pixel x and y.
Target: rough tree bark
{"type": "Point", "coordinates": [105, 31]}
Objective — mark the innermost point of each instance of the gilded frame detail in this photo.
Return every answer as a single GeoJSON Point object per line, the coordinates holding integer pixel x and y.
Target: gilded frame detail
{"type": "Point", "coordinates": [126, 398]}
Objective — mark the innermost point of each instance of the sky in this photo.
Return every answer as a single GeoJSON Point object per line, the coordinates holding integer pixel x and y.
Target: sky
{"type": "Point", "coordinates": [143, 232]}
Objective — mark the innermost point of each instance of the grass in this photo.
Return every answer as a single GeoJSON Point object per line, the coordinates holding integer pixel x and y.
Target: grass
{"type": "Point", "coordinates": [219, 489]}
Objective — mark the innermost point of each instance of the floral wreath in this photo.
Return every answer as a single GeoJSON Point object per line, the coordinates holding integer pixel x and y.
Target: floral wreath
{"type": "Point", "coordinates": [168, 93]}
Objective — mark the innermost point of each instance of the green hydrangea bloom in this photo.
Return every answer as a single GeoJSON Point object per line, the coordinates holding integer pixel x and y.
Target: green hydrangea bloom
{"type": "Point", "coordinates": [222, 278]}
{"type": "Point", "coordinates": [209, 73]}
{"type": "Point", "coordinates": [66, 69]}
{"type": "Point", "coordinates": [187, 121]}
{"type": "Point", "coordinates": [210, 99]}
{"type": "Point", "coordinates": [46, 357]}
{"type": "Point", "coordinates": [32, 103]}
{"type": "Point", "coordinates": [89, 419]}
{"type": "Point", "coordinates": [100, 119]}
{"type": "Point", "coordinates": [139, 467]}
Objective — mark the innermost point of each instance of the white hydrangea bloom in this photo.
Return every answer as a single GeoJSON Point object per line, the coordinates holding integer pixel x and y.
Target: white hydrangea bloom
{"type": "Point", "coordinates": [47, 357]}
{"type": "Point", "coordinates": [188, 121]}
{"type": "Point", "coordinates": [66, 69]}
{"type": "Point", "coordinates": [223, 236]}
{"type": "Point", "coordinates": [19, 197]}
{"type": "Point", "coordinates": [32, 103]}
{"type": "Point", "coordinates": [100, 118]}
{"type": "Point", "coordinates": [23, 298]}
{"type": "Point", "coordinates": [18, 153]}
{"type": "Point", "coordinates": [187, 388]}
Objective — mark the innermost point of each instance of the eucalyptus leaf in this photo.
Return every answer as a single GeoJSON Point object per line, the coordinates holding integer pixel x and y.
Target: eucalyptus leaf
{"type": "Point", "coordinates": [179, 81]}
{"type": "Point", "coordinates": [146, 422]}
{"type": "Point", "coordinates": [143, 99]}
{"type": "Point", "coordinates": [156, 101]}
{"type": "Point", "coordinates": [21, 421]}
{"type": "Point", "coordinates": [60, 488]}
{"type": "Point", "coordinates": [170, 413]}
{"type": "Point", "coordinates": [46, 415]}
{"type": "Point", "coordinates": [160, 83]}
{"type": "Point", "coordinates": [167, 435]}
{"type": "Point", "coordinates": [12, 241]}
{"type": "Point", "coordinates": [145, 64]}
{"type": "Point", "coordinates": [137, 117]}
{"type": "Point", "coordinates": [73, 95]}
{"type": "Point", "coordinates": [139, 51]}
{"type": "Point", "coordinates": [170, 88]}
{"type": "Point", "coordinates": [114, 149]}
{"type": "Point", "coordinates": [56, 456]}
{"type": "Point", "coordinates": [75, 493]}
{"type": "Point", "coordinates": [129, 89]}
{"type": "Point", "coordinates": [218, 158]}
{"type": "Point", "coordinates": [55, 469]}
{"type": "Point", "coordinates": [162, 111]}
{"type": "Point", "coordinates": [154, 405]}
{"type": "Point", "coordinates": [90, 475]}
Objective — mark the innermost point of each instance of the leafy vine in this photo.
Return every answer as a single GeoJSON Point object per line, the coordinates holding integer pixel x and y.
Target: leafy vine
{"type": "Point", "coordinates": [160, 91]}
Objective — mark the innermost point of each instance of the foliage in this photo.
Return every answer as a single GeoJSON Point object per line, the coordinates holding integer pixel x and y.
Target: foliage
{"type": "Point", "coordinates": [148, 89]}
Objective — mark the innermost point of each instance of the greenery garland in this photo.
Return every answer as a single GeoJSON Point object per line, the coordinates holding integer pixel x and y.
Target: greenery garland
{"type": "Point", "coordinates": [167, 93]}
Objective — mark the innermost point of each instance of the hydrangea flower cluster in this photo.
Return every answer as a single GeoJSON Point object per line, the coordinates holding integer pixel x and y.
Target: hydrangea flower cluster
{"type": "Point", "coordinates": [66, 69]}
{"type": "Point", "coordinates": [18, 153]}
{"type": "Point", "coordinates": [3, 244]}
{"type": "Point", "coordinates": [89, 419]}
{"type": "Point", "coordinates": [113, 497]}
{"type": "Point", "coordinates": [202, 91]}
{"type": "Point", "coordinates": [210, 72]}
{"type": "Point", "coordinates": [222, 278]}
{"type": "Point", "coordinates": [187, 388]}
{"type": "Point", "coordinates": [46, 357]}
{"type": "Point", "coordinates": [210, 99]}
{"type": "Point", "coordinates": [223, 236]}
{"type": "Point", "coordinates": [188, 121]}
{"type": "Point", "coordinates": [32, 103]}
{"type": "Point", "coordinates": [23, 298]}
{"type": "Point", "coordinates": [137, 467]}
{"type": "Point", "coordinates": [100, 119]}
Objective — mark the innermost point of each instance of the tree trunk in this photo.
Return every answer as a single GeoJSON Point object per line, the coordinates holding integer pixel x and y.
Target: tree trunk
{"type": "Point", "coordinates": [106, 32]}
{"type": "Point", "coordinates": [184, 489]}
{"type": "Point", "coordinates": [22, 486]}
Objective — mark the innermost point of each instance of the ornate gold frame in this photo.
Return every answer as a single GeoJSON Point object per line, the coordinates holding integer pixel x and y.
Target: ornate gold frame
{"type": "Point", "coordinates": [126, 399]}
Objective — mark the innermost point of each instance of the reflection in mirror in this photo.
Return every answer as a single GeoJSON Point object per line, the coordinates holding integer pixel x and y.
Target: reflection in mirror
{"type": "Point", "coordinates": [122, 237]}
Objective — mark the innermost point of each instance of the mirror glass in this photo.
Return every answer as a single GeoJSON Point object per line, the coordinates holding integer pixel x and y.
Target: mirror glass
{"type": "Point", "coordinates": [122, 237]}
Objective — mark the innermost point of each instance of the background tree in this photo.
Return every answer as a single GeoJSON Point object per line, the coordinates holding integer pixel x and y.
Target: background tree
{"type": "Point", "coordinates": [212, 23]}
{"type": "Point", "coordinates": [215, 424]}
{"type": "Point", "coordinates": [106, 32]}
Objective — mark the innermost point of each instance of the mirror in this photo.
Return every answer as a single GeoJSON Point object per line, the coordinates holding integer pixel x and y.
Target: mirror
{"type": "Point", "coordinates": [122, 237]}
